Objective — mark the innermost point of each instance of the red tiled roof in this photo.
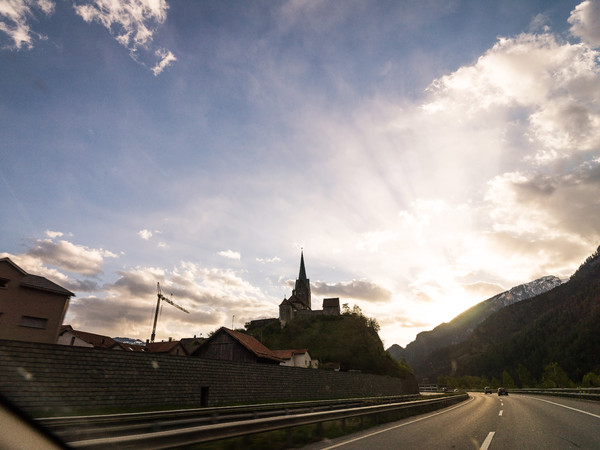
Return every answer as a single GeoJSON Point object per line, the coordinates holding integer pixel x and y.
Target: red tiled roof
{"type": "Point", "coordinates": [252, 344]}
{"type": "Point", "coordinates": [163, 347]}
{"type": "Point", "coordinates": [97, 340]}
{"type": "Point", "coordinates": [288, 354]}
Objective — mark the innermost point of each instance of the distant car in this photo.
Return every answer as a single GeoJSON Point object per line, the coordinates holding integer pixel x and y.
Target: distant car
{"type": "Point", "coordinates": [502, 391]}
{"type": "Point", "coordinates": [487, 390]}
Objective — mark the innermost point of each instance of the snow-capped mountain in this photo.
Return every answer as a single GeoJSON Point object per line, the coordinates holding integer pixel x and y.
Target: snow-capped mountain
{"type": "Point", "coordinates": [126, 340]}
{"type": "Point", "coordinates": [524, 291]}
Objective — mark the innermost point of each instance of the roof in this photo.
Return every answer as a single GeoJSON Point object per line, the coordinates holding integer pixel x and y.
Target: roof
{"type": "Point", "coordinates": [44, 284]}
{"type": "Point", "coordinates": [163, 347]}
{"type": "Point", "coordinates": [252, 344]}
{"type": "Point", "coordinates": [288, 354]}
{"type": "Point", "coordinates": [97, 340]}
{"type": "Point", "coordinates": [130, 347]}
{"type": "Point", "coordinates": [38, 282]}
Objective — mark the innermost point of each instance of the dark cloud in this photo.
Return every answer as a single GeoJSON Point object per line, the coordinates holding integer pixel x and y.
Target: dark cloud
{"type": "Point", "coordinates": [81, 285]}
{"type": "Point", "coordinates": [358, 289]}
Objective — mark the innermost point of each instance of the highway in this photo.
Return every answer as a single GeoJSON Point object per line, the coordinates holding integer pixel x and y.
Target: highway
{"type": "Point", "coordinates": [487, 422]}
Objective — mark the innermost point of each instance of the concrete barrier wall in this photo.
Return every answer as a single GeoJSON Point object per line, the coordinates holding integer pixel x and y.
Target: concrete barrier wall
{"type": "Point", "coordinates": [48, 379]}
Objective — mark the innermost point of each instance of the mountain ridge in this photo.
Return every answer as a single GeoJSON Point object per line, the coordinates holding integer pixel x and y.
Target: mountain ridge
{"type": "Point", "coordinates": [462, 326]}
{"type": "Point", "coordinates": [558, 329]}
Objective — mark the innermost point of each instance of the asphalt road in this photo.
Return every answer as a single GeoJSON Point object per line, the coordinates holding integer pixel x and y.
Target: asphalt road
{"type": "Point", "coordinates": [488, 422]}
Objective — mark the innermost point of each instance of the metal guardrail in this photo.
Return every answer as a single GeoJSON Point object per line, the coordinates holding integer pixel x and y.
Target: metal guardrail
{"type": "Point", "coordinates": [73, 428]}
{"type": "Point", "coordinates": [584, 393]}
{"type": "Point", "coordinates": [213, 432]}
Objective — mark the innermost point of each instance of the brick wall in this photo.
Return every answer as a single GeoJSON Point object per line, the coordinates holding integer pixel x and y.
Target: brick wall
{"type": "Point", "coordinates": [53, 379]}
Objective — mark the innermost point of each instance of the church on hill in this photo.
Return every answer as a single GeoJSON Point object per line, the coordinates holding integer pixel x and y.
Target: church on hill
{"type": "Point", "coordinates": [299, 305]}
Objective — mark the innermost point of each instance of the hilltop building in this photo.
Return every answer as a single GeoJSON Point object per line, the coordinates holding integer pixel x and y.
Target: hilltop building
{"type": "Point", "coordinates": [299, 303]}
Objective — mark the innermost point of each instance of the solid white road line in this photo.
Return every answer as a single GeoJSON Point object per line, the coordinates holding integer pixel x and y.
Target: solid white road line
{"type": "Point", "coordinates": [568, 407]}
{"type": "Point", "coordinates": [401, 425]}
{"type": "Point", "coordinates": [488, 440]}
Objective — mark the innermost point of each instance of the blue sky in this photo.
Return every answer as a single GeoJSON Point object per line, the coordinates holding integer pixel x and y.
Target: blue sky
{"type": "Point", "coordinates": [426, 155]}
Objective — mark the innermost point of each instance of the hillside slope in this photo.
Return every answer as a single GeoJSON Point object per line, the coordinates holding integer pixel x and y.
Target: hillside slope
{"type": "Point", "coordinates": [461, 327]}
{"type": "Point", "coordinates": [560, 326]}
{"type": "Point", "coordinates": [350, 339]}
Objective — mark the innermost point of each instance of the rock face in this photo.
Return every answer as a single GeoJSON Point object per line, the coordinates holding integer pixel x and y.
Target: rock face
{"type": "Point", "coordinates": [461, 327]}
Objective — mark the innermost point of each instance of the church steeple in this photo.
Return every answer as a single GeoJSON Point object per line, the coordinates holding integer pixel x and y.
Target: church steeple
{"type": "Point", "coordinates": [302, 288]}
{"type": "Point", "coordinates": [302, 275]}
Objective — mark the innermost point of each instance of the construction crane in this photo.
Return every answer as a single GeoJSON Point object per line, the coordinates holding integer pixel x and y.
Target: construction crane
{"type": "Point", "coordinates": [168, 300]}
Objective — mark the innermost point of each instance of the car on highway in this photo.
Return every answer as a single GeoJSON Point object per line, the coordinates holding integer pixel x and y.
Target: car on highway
{"type": "Point", "coordinates": [487, 390]}
{"type": "Point", "coordinates": [502, 391]}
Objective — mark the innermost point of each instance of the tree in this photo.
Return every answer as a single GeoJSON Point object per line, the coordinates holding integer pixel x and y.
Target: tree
{"type": "Point", "coordinates": [507, 380]}
{"type": "Point", "coordinates": [525, 377]}
{"type": "Point", "coordinates": [555, 377]}
{"type": "Point", "coordinates": [590, 379]}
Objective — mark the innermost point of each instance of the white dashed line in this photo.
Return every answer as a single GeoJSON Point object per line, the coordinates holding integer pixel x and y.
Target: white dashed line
{"type": "Point", "coordinates": [488, 440]}
{"type": "Point", "coordinates": [500, 413]}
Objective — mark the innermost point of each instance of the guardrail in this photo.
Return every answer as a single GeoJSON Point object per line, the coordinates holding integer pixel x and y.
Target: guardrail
{"type": "Point", "coordinates": [91, 426]}
{"type": "Point", "coordinates": [584, 393]}
{"type": "Point", "coordinates": [207, 433]}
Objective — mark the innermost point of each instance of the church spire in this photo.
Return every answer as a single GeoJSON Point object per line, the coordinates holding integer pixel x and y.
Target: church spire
{"type": "Point", "coordinates": [302, 288]}
{"type": "Point", "coordinates": [302, 275]}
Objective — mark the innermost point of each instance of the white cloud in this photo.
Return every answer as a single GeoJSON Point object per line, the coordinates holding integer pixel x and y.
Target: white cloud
{"type": "Point", "coordinates": [584, 21]}
{"type": "Point", "coordinates": [14, 18]}
{"type": "Point", "coordinates": [145, 234]}
{"type": "Point", "coordinates": [210, 295]}
{"type": "Point", "coordinates": [230, 254]}
{"type": "Point", "coordinates": [63, 254]}
{"type": "Point", "coordinates": [133, 24]}
{"type": "Point", "coordinates": [268, 260]}
{"type": "Point", "coordinates": [166, 57]}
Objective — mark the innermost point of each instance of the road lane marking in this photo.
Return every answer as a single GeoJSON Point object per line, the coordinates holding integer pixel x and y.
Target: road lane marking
{"type": "Point", "coordinates": [488, 440]}
{"type": "Point", "coordinates": [401, 425]}
{"type": "Point", "coordinates": [564, 406]}
{"type": "Point", "coordinates": [500, 413]}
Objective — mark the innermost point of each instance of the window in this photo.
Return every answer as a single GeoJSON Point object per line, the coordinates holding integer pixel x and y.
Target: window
{"type": "Point", "coordinates": [33, 322]}
{"type": "Point", "coordinates": [4, 282]}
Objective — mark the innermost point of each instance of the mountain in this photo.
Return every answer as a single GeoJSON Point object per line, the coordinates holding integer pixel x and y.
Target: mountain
{"type": "Point", "coordinates": [461, 327]}
{"type": "Point", "coordinates": [130, 341]}
{"type": "Point", "coordinates": [559, 328]}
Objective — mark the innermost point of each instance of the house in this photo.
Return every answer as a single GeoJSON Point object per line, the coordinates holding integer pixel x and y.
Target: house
{"type": "Point", "coordinates": [76, 338]}
{"type": "Point", "coordinates": [32, 307]}
{"type": "Point", "coordinates": [296, 358]}
{"type": "Point", "coordinates": [229, 345]}
{"type": "Point", "coordinates": [170, 348]}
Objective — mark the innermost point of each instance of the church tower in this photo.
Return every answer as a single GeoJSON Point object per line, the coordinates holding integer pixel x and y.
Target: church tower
{"type": "Point", "coordinates": [302, 289]}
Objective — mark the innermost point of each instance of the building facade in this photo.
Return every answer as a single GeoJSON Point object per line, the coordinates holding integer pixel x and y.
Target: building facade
{"type": "Point", "coordinates": [32, 307]}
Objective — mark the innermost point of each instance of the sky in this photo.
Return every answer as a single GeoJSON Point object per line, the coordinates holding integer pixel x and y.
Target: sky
{"type": "Point", "coordinates": [424, 155]}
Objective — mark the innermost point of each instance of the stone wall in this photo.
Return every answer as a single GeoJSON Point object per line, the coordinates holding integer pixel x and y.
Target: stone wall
{"type": "Point", "coordinates": [45, 379]}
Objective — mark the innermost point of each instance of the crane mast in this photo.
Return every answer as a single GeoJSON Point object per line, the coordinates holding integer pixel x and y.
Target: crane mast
{"type": "Point", "coordinates": [159, 297]}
